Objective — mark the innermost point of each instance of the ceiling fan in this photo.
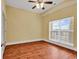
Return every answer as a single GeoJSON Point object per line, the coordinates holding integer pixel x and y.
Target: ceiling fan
{"type": "Point", "coordinates": [40, 3]}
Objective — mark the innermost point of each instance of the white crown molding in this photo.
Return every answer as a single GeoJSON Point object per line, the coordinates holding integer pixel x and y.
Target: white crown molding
{"type": "Point", "coordinates": [63, 5]}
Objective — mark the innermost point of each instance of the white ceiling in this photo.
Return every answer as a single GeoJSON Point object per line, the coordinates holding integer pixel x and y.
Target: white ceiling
{"type": "Point", "coordinates": [24, 4]}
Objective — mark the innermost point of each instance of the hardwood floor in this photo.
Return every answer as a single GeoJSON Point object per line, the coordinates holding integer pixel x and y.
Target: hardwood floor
{"type": "Point", "coordinates": [37, 50]}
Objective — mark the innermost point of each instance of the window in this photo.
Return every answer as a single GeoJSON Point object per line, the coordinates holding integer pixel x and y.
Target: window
{"type": "Point", "coordinates": [61, 31]}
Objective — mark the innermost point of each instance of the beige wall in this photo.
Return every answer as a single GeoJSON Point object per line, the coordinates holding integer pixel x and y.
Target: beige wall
{"type": "Point", "coordinates": [68, 11]}
{"type": "Point", "coordinates": [22, 25]}
{"type": "Point", "coordinates": [3, 6]}
{"type": "Point", "coordinates": [3, 20]}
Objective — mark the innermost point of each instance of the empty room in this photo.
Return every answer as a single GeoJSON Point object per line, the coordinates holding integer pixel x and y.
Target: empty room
{"type": "Point", "coordinates": [39, 29]}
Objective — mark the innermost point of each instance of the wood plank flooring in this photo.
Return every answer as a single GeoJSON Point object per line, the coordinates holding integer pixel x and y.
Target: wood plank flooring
{"type": "Point", "coordinates": [37, 50]}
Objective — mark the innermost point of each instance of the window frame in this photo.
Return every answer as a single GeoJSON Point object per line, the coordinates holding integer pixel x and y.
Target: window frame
{"type": "Point", "coordinates": [69, 31]}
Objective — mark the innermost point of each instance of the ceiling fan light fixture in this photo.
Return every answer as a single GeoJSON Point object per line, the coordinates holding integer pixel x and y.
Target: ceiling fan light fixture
{"type": "Point", "coordinates": [38, 5]}
{"type": "Point", "coordinates": [42, 5]}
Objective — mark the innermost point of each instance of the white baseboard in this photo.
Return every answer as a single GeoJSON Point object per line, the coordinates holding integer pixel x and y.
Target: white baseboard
{"type": "Point", "coordinates": [62, 45]}
{"type": "Point", "coordinates": [62, 42]}
{"type": "Point", "coordinates": [33, 40]}
{"type": "Point", "coordinates": [26, 41]}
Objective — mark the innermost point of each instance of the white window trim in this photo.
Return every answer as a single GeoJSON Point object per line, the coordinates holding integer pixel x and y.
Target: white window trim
{"type": "Point", "coordinates": [61, 42]}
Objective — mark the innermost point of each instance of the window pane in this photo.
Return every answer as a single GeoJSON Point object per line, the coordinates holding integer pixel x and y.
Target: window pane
{"type": "Point", "coordinates": [55, 25]}
{"type": "Point", "coordinates": [61, 31]}
{"type": "Point", "coordinates": [65, 24]}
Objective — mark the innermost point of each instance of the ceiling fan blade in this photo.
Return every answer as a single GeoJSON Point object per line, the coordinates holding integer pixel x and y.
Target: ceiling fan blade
{"type": "Point", "coordinates": [33, 7]}
{"type": "Point", "coordinates": [31, 1]}
{"type": "Point", "coordinates": [48, 2]}
{"type": "Point", "coordinates": [43, 8]}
